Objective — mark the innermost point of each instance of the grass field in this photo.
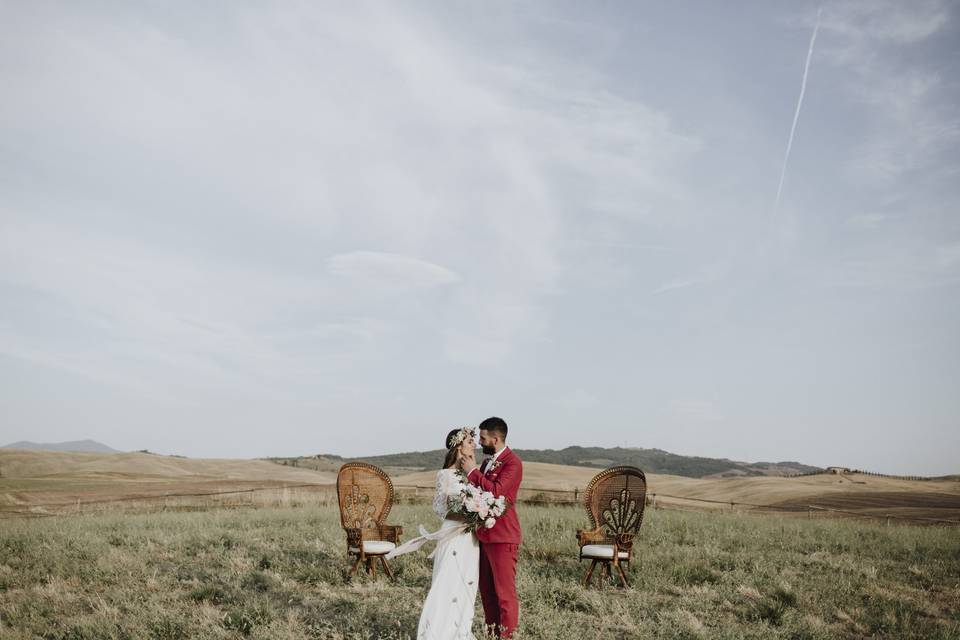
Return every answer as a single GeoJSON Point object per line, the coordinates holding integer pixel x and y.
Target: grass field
{"type": "Point", "coordinates": [279, 573]}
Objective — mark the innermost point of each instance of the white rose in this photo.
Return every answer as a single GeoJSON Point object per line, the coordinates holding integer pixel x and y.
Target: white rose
{"type": "Point", "coordinates": [489, 523]}
{"type": "Point", "coordinates": [471, 505]}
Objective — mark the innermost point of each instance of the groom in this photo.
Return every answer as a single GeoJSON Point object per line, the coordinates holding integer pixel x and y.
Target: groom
{"type": "Point", "coordinates": [500, 474]}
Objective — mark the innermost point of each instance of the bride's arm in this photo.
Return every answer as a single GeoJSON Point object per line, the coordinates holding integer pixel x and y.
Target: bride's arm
{"type": "Point", "coordinates": [440, 497]}
{"type": "Point", "coordinates": [448, 485]}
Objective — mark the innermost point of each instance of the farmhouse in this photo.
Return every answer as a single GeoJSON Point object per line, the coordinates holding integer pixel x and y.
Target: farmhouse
{"type": "Point", "coordinates": [838, 470]}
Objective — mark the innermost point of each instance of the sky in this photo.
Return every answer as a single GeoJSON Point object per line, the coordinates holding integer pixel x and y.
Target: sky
{"type": "Point", "coordinates": [252, 229]}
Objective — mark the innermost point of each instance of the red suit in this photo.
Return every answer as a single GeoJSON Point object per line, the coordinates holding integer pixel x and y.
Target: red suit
{"type": "Point", "coordinates": [499, 545]}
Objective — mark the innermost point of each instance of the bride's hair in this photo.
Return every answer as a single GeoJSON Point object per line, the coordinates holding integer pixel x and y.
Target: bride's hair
{"type": "Point", "coordinates": [451, 457]}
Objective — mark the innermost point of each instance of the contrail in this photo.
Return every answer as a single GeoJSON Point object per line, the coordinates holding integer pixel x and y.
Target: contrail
{"type": "Point", "coordinates": [796, 114]}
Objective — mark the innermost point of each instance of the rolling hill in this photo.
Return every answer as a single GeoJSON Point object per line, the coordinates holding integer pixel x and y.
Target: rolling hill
{"type": "Point", "coordinates": [31, 478]}
{"type": "Point", "coordinates": [143, 467]}
{"type": "Point", "coordinates": [50, 480]}
{"type": "Point", "coordinates": [79, 446]}
{"type": "Point", "coordinates": [853, 492]}
{"type": "Point", "coordinates": [650, 460]}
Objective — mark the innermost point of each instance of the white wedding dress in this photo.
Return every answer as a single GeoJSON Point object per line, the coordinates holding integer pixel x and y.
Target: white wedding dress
{"type": "Point", "coordinates": [448, 610]}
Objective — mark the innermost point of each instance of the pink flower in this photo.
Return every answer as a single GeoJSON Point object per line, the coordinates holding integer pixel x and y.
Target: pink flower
{"type": "Point", "coordinates": [473, 504]}
{"type": "Point", "coordinates": [489, 523]}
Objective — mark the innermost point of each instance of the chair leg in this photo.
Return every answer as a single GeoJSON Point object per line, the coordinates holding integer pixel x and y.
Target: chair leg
{"type": "Point", "coordinates": [372, 567]}
{"type": "Point", "coordinates": [386, 567]}
{"type": "Point", "coordinates": [353, 570]}
{"type": "Point", "coordinates": [623, 576]}
{"type": "Point", "coordinates": [586, 579]}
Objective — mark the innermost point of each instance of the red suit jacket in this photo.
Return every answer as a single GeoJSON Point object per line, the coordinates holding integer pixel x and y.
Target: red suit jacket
{"type": "Point", "coordinates": [501, 479]}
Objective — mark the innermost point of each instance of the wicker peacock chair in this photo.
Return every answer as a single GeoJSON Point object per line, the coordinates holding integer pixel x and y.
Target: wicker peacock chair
{"type": "Point", "coordinates": [365, 494]}
{"type": "Point", "coordinates": [614, 500]}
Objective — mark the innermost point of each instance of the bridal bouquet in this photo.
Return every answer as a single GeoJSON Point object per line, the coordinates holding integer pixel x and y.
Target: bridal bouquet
{"type": "Point", "coordinates": [479, 508]}
{"type": "Point", "coordinates": [476, 507]}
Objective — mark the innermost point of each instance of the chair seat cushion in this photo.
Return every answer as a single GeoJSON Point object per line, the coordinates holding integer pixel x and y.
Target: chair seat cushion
{"type": "Point", "coordinates": [601, 551]}
{"type": "Point", "coordinates": [375, 547]}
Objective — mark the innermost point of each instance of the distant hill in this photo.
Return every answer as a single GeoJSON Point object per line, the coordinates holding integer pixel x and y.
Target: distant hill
{"type": "Point", "coordinates": [664, 462]}
{"type": "Point", "coordinates": [118, 471]}
{"type": "Point", "coordinates": [650, 460]}
{"type": "Point", "coordinates": [78, 446]}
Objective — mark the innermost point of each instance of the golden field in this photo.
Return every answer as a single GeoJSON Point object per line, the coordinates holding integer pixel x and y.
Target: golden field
{"type": "Point", "coordinates": [45, 481]}
{"type": "Point", "coordinates": [131, 546]}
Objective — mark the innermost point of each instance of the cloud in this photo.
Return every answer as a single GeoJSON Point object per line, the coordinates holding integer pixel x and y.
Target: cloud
{"type": "Point", "coordinates": [948, 256]}
{"type": "Point", "coordinates": [914, 268]}
{"type": "Point", "coordinates": [489, 327]}
{"type": "Point", "coordinates": [480, 347]}
{"type": "Point", "coordinates": [868, 221]}
{"type": "Point", "coordinates": [391, 271]}
{"type": "Point", "coordinates": [118, 310]}
{"type": "Point", "coordinates": [408, 151]}
{"type": "Point", "coordinates": [692, 410]}
{"type": "Point", "coordinates": [911, 119]}
{"type": "Point", "coordinates": [579, 399]}
{"type": "Point", "coordinates": [708, 274]}
{"type": "Point", "coordinates": [270, 213]}
{"type": "Point", "coordinates": [887, 20]}
{"type": "Point", "coordinates": [623, 155]}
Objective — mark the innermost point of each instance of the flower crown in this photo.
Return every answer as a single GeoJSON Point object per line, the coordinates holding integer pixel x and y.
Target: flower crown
{"type": "Point", "coordinates": [460, 436]}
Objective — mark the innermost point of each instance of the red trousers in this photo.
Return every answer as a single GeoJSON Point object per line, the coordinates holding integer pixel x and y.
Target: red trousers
{"type": "Point", "coordinates": [498, 587]}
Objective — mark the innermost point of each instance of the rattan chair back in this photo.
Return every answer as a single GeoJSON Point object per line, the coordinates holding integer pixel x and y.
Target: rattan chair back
{"type": "Point", "coordinates": [365, 494]}
{"type": "Point", "coordinates": [615, 499]}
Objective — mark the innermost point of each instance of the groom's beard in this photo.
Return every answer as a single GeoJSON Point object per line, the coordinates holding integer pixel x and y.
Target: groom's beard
{"type": "Point", "coordinates": [489, 450]}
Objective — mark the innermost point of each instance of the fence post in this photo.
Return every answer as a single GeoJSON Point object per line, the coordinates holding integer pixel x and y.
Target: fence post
{"type": "Point", "coordinates": [575, 493]}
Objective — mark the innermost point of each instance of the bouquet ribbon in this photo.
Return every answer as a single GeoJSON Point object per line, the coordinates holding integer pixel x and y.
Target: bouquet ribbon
{"type": "Point", "coordinates": [440, 535]}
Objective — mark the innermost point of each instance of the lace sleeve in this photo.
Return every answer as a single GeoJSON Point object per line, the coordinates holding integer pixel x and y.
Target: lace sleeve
{"type": "Point", "coordinates": [440, 498]}
{"type": "Point", "coordinates": [448, 485]}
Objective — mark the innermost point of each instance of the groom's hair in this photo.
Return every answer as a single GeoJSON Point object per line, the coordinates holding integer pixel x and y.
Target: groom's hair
{"type": "Point", "coordinates": [496, 425]}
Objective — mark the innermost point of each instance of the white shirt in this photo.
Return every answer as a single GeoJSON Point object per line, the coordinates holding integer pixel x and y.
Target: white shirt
{"type": "Point", "coordinates": [489, 461]}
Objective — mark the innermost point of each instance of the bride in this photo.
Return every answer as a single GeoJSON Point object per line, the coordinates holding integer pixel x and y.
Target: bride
{"type": "Point", "coordinates": [448, 610]}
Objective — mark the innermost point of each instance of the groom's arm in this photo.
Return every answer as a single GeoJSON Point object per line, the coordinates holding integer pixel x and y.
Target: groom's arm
{"type": "Point", "coordinates": [506, 484]}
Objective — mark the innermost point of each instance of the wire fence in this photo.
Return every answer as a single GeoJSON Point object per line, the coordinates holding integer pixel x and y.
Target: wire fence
{"type": "Point", "coordinates": [287, 495]}
{"type": "Point", "coordinates": [844, 471]}
{"type": "Point", "coordinates": [317, 493]}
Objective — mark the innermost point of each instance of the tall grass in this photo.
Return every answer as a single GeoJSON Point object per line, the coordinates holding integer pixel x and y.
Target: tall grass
{"type": "Point", "coordinates": [279, 572]}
